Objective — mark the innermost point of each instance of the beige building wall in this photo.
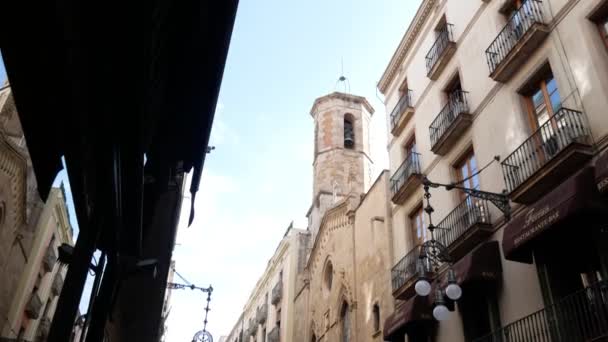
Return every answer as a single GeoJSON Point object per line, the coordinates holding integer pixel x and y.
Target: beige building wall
{"type": "Point", "coordinates": [578, 59]}
{"type": "Point", "coordinates": [29, 320]}
{"type": "Point", "coordinates": [281, 272]}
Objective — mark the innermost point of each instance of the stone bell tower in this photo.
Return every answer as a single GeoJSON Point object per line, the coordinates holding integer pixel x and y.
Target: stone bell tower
{"type": "Point", "coordinates": [342, 162]}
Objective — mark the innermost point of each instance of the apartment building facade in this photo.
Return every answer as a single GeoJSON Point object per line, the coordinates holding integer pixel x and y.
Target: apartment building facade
{"type": "Point", "coordinates": [524, 81]}
{"type": "Point", "coordinates": [35, 299]}
{"type": "Point", "coordinates": [269, 311]}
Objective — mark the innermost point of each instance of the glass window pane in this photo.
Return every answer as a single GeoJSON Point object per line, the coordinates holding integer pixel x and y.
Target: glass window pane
{"type": "Point", "coordinates": [464, 170]}
{"type": "Point", "coordinates": [542, 117]}
{"type": "Point", "coordinates": [538, 98]}
{"type": "Point", "coordinates": [556, 102]}
{"type": "Point", "coordinates": [551, 85]}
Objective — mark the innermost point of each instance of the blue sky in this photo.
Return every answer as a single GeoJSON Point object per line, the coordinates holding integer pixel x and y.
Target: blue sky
{"type": "Point", "coordinates": [283, 55]}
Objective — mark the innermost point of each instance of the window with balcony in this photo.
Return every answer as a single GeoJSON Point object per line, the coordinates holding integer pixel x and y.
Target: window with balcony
{"type": "Point", "coordinates": [554, 129]}
{"type": "Point", "coordinates": [403, 110]}
{"type": "Point", "coordinates": [453, 119]}
{"type": "Point", "coordinates": [524, 31]}
{"type": "Point", "coordinates": [410, 147]}
{"type": "Point", "coordinates": [442, 49]}
{"type": "Point", "coordinates": [419, 231]}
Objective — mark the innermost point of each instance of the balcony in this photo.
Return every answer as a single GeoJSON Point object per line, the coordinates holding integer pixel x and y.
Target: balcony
{"type": "Point", "coordinates": [521, 36]}
{"type": "Point", "coordinates": [441, 52]}
{"type": "Point", "coordinates": [406, 179]}
{"type": "Point", "coordinates": [275, 334]}
{"type": "Point", "coordinates": [261, 313]}
{"type": "Point", "coordinates": [402, 113]}
{"type": "Point", "coordinates": [557, 149]}
{"type": "Point", "coordinates": [32, 309]}
{"type": "Point", "coordinates": [277, 293]}
{"type": "Point", "coordinates": [57, 285]}
{"type": "Point", "coordinates": [582, 316]}
{"type": "Point", "coordinates": [450, 124]}
{"type": "Point", "coordinates": [48, 262]}
{"type": "Point", "coordinates": [465, 227]}
{"type": "Point", "coordinates": [43, 329]}
{"type": "Point", "coordinates": [405, 274]}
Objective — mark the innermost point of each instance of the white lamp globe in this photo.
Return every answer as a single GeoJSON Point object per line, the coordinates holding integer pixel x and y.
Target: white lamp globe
{"type": "Point", "coordinates": [453, 291]}
{"type": "Point", "coordinates": [441, 312]}
{"type": "Point", "coordinates": [422, 287]}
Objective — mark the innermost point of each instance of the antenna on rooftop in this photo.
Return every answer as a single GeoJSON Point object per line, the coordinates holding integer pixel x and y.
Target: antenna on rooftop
{"type": "Point", "coordinates": [342, 79]}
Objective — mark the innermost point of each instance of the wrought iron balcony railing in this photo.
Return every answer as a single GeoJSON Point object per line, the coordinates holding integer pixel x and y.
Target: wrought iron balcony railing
{"type": "Point", "coordinates": [567, 126]}
{"type": "Point", "coordinates": [277, 293]}
{"type": "Point", "coordinates": [522, 19]}
{"type": "Point", "coordinates": [410, 167]}
{"type": "Point", "coordinates": [581, 316]}
{"type": "Point", "coordinates": [444, 38]}
{"type": "Point", "coordinates": [457, 104]}
{"type": "Point", "coordinates": [405, 269]}
{"type": "Point", "coordinates": [404, 102]}
{"type": "Point", "coordinates": [466, 215]}
{"type": "Point", "coordinates": [275, 334]}
{"type": "Point", "coordinates": [262, 313]}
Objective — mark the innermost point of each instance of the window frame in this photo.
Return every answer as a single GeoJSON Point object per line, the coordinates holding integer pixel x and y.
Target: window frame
{"type": "Point", "coordinates": [465, 159]}
{"type": "Point", "coordinates": [415, 217]}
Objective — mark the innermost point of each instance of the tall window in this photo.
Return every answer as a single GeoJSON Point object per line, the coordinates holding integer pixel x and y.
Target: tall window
{"type": "Point", "coordinates": [349, 132]}
{"type": "Point", "coordinates": [480, 314]}
{"type": "Point", "coordinates": [329, 275]}
{"type": "Point", "coordinates": [345, 322]}
{"type": "Point", "coordinates": [410, 147]}
{"type": "Point", "coordinates": [466, 172]}
{"type": "Point", "coordinates": [313, 338]}
{"type": "Point", "coordinates": [376, 317]}
{"type": "Point", "coordinates": [543, 101]}
{"type": "Point", "coordinates": [419, 231]}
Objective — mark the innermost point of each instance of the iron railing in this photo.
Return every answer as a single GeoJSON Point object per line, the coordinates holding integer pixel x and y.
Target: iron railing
{"type": "Point", "coordinates": [405, 269]}
{"type": "Point", "coordinates": [457, 104]}
{"type": "Point", "coordinates": [522, 19]}
{"type": "Point", "coordinates": [562, 129]}
{"type": "Point", "coordinates": [444, 38]}
{"type": "Point", "coordinates": [275, 334]}
{"type": "Point", "coordinates": [467, 214]}
{"type": "Point", "coordinates": [262, 313]}
{"type": "Point", "coordinates": [581, 316]}
{"type": "Point", "coordinates": [404, 102]}
{"type": "Point", "coordinates": [277, 293]}
{"type": "Point", "coordinates": [410, 166]}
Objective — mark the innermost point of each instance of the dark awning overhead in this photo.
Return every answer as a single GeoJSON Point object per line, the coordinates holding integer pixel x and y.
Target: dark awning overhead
{"type": "Point", "coordinates": [601, 170]}
{"type": "Point", "coordinates": [481, 264]}
{"type": "Point", "coordinates": [577, 195]}
{"type": "Point", "coordinates": [415, 310]}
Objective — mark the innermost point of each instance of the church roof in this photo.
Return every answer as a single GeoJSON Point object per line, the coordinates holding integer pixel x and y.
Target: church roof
{"type": "Point", "coordinates": [345, 97]}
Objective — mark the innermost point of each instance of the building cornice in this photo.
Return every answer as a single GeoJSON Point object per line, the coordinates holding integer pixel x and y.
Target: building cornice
{"type": "Point", "coordinates": [342, 96]}
{"type": "Point", "coordinates": [406, 43]}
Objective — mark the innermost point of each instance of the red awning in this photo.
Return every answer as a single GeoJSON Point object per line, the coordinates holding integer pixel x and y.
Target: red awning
{"type": "Point", "coordinates": [414, 310]}
{"type": "Point", "coordinates": [576, 195]}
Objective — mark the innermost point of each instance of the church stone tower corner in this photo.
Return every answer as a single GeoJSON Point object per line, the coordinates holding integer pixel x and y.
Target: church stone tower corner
{"type": "Point", "coordinates": [342, 160]}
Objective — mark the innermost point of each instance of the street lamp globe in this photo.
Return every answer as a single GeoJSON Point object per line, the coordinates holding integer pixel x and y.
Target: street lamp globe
{"type": "Point", "coordinates": [422, 287]}
{"type": "Point", "coordinates": [441, 312]}
{"type": "Point", "coordinates": [453, 291]}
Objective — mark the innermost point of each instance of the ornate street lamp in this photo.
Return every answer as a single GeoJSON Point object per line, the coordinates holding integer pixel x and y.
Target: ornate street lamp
{"type": "Point", "coordinates": [434, 254]}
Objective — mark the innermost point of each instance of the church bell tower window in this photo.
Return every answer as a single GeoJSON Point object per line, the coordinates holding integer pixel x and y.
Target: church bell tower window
{"type": "Point", "coordinates": [349, 133]}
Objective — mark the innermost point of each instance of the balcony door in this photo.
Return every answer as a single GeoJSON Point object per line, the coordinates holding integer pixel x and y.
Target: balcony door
{"type": "Point", "coordinates": [543, 102]}
{"type": "Point", "coordinates": [417, 223]}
